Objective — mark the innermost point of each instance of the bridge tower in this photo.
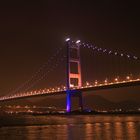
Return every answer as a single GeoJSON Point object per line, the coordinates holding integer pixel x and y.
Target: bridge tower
{"type": "Point", "coordinates": [73, 73]}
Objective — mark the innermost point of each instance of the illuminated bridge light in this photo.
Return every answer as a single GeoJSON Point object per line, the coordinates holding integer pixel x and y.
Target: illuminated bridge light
{"type": "Point", "coordinates": [106, 81]}
{"type": "Point", "coordinates": [104, 50]}
{"type": "Point", "coordinates": [90, 85]}
{"type": "Point", "coordinates": [50, 91]}
{"type": "Point", "coordinates": [58, 88]}
{"type": "Point", "coordinates": [73, 88]}
{"type": "Point", "coordinates": [68, 39]}
{"type": "Point", "coordinates": [128, 77]}
{"type": "Point", "coordinates": [78, 41]}
{"type": "Point", "coordinates": [45, 90]}
{"type": "Point", "coordinates": [135, 57]}
{"type": "Point", "coordinates": [71, 85]}
{"type": "Point", "coordinates": [110, 52]}
{"type": "Point", "coordinates": [96, 82]}
{"type": "Point", "coordinates": [116, 79]}
{"type": "Point", "coordinates": [87, 83]}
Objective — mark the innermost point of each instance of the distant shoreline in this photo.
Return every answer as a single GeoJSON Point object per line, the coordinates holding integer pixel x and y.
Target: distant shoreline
{"type": "Point", "coordinates": [71, 113]}
{"type": "Point", "coordinates": [82, 113]}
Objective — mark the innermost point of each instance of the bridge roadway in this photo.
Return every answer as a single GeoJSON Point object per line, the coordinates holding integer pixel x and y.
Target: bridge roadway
{"type": "Point", "coordinates": [83, 89]}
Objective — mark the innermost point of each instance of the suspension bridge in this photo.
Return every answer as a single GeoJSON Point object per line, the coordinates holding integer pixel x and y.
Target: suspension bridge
{"type": "Point", "coordinates": [74, 86]}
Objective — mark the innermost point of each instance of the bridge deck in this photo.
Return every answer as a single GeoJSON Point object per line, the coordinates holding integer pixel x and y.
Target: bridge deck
{"type": "Point", "coordinates": [83, 89]}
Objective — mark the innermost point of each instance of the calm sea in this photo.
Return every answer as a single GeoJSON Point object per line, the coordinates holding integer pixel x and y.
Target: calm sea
{"type": "Point", "coordinates": [82, 127]}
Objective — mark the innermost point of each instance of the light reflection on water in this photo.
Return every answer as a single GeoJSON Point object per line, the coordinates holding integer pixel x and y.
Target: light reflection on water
{"type": "Point", "coordinates": [74, 128]}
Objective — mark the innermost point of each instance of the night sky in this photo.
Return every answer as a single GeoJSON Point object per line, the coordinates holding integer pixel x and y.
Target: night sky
{"type": "Point", "coordinates": [31, 32]}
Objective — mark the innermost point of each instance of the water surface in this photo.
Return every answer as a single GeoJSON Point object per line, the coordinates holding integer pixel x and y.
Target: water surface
{"type": "Point", "coordinates": [78, 127]}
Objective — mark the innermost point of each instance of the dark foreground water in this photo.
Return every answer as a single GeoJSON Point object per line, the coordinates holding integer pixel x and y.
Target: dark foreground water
{"type": "Point", "coordinates": [88, 127]}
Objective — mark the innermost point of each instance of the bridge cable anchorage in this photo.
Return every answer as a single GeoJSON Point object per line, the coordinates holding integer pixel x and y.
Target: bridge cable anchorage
{"type": "Point", "coordinates": [108, 51]}
{"type": "Point", "coordinates": [37, 73]}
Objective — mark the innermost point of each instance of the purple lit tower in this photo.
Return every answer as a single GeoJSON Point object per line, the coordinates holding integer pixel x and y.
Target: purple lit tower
{"type": "Point", "coordinates": [73, 75]}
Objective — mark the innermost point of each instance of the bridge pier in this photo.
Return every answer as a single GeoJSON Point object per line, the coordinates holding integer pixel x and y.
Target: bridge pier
{"type": "Point", "coordinates": [74, 78]}
{"type": "Point", "coordinates": [68, 101]}
{"type": "Point", "coordinates": [70, 95]}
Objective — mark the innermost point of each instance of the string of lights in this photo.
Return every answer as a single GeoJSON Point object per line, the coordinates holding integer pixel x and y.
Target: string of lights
{"type": "Point", "coordinates": [108, 51]}
{"type": "Point", "coordinates": [46, 74]}
{"type": "Point", "coordinates": [57, 90]}
{"type": "Point", "coordinates": [128, 60]}
{"type": "Point", "coordinates": [37, 73]}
